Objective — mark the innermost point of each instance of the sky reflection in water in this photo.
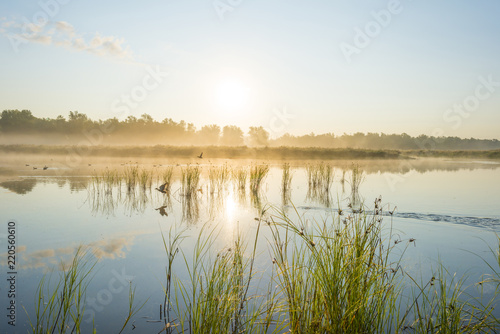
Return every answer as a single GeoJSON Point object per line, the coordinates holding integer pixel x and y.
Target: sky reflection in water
{"type": "Point", "coordinates": [452, 214]}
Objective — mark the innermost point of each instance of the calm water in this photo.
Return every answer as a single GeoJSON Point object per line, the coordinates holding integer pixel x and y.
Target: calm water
{"type": "Point", "coordinates": [450, 208]}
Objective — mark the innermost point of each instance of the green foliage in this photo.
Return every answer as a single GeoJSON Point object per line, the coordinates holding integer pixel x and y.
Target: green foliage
{"type": "Point", "coordinates": [60, 308]}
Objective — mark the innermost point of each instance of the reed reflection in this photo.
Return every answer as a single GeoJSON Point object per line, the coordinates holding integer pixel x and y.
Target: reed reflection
{"type": "Point", "coordinates": [319, 181]}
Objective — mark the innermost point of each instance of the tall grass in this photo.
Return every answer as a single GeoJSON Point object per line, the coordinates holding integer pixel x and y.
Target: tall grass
{"type": "Point", "coordinates": [335, 275]}
{"type": "Point", "coordinates": [240, 177]}
{"type": "Point", "coordinates": [166, 177]}
{"type": "Point", "coordinates": [216, 299]}
{"type": "Point", "coordinates": [342, 180]}
{"type": "Point", "coordinates": [320, 179]}
{"type": "Point", "coordinates": [218, 177]}
{"type": "Point", "coordinates": [442, 305]}
{"type": "Point", "coordinates": [145, 178]}
{"type": "Point", "coordinates": [286, 184]}
{"type": "Point", "coordinates": [357, 177]}
{"type": "Point", "coordinates": [340, 274]}
{"type": "Point", "coordinates": [190, 180]}
{"type": "Point", "coordinates": [131, 176]}
{"type": "Point", "coordinates": [257, 174]}
{"type": "Point", "coordinates": [61, 308]}
{"type": "Point", "coordinates": [171, 249]}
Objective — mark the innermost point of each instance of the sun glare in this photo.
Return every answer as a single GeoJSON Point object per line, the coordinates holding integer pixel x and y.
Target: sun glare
{"type": "Point", "coordinates": [231, 95]}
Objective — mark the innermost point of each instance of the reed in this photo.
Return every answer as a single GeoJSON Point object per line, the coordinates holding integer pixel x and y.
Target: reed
{"type": "Point", "coordinates": [320, 176]}
{"type": "Point", "coordinates": [342, 180]}
{"type": "Point", "coordinates": [240, 178]}
{"type": "Point", "coordinates": [286, 183]}
{"type": "Point", "coordinates": [218, 177]}
{"type": "Point", "coordinates": [216, 297]}
{"type": "Point", "coordinates": [257, 174]}
{"type": "Point", "coordinates": [357, 177]}
{"type": "Point", "coordinates": [171, 249]}
{"type": "Point", "coordinates": [442, 305]}
{"type": "Point", "coordinates": [62, 307]}
{"type": "Point", "coordinates": [341, 274]}
{"type": "Point", "coordinates": [190, 180]}
{"type": "Point", "coordinates": [131, 176]}
{"type": "Point", "coordinates": [145, 178]}
{"type": "Point", "coordinates": [320, 179]}
{"type": "Point", "coordinates": [335, 275]}
{"type": "Point", "coordinates": [166, 177]}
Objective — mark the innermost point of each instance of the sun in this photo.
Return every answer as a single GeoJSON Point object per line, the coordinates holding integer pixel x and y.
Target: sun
{"type": "Point", "coordinates": [231, 95]}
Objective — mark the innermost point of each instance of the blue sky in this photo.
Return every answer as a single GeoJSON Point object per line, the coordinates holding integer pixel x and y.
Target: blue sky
{"type": "Point", "coordinates": [330, 66]}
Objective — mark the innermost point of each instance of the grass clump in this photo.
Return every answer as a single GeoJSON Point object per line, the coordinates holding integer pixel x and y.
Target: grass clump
{"type": "Point", "coordinates": [286, 184]}
{"type": "Point", "coordinates": [357, 177]}
{"type": "Point", "coordinates": [442, 305]}
{"type": "Point", "coordinates": [190, 180]}
{"type": "Point", "coordinates": [257, 174]}
{"type": "Point", "coordinates": [320, 179]}
{"type": "Point", "coordinates": [145, 179]}
{"type": "Point", "coordinates": [335, 276]}
{"type": "Point", "coordinates": [61, 308]}
{"type": "Point", "coordinates": [166, 178]}
{"type": "Point", "coordinates": [240, 176]}
{"type": "Point", "coordinates": [131, 176]}
{"type": "Point", "coordinates": [320, 176]}
{"type": "Point", "coordinates": [215, 298]}
{"type": "Point", "coordinates": [218, 177]}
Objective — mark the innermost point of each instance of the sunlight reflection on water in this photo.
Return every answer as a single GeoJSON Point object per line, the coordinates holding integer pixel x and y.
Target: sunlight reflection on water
{"type": "Point", "coordinates": [452, 214]}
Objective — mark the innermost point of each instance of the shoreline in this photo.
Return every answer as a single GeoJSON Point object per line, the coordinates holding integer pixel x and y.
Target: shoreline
{"type": "Point", "coordinates": [242, 152]}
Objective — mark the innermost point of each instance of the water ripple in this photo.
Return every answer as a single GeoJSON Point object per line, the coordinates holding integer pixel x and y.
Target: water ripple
{"type": "Point", "coordinates": [482, 222]}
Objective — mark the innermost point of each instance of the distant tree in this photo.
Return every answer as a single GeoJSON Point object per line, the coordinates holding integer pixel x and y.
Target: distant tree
{"type": "Point", "coordinates": [15, 120]}
{"type": "Point", "coordinates": [232, 136]}
{"type": "Point", "coordinates": [258, 136]}
{"type": "Point", "coordinates": [170, 132]}
{"type": "Point", "coordinates": [209, 134]}
{"type": "Point", "coordinates": [131, 119]}
{"type": "Point", "coordinates": [146, 118]}
{"type": "Point", "coordinates": [78, 122]}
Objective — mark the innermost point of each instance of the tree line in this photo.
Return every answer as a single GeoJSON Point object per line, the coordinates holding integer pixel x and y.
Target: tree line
{"type": "Point", "coordinates": [146, 130]}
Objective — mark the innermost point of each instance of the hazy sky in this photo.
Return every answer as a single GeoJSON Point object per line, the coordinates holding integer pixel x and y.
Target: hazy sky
{"type": "Point", "coordinates": [293, 66]}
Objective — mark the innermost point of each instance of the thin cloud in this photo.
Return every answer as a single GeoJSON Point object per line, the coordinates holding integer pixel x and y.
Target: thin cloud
{"type": "Point", "coordinates": [65, 27]}
{"type": "Point", "coordinates": [63, 34]}
{"type": "Point", "coordinates": [7, 24]}
{"type": "Point", "coordinates": [111, 248]}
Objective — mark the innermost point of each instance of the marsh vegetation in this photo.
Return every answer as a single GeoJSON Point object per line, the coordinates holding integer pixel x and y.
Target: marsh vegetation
{"type": "Point", "coordinates": [342, 273]}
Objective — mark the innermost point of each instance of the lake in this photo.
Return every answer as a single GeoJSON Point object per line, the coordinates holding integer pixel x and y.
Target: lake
{"type": "Point", "coordinates": [443, 212]}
